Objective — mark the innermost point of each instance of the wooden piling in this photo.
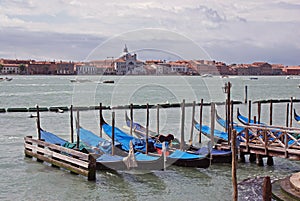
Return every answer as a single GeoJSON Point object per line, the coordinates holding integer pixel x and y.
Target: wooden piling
{"type": "Point", "coordinates": [182, 125]}
{"type": "Point", "coordinates": [38, 122]}
{"type": "Point", "coordinates": [147, 127]}
{"type": "Point", "coordinates": [259, 160]}
{"type": "Point", "coordinates": [157, 120]}
{"type": "Point", "coordinates": [231, 115]}
{"type": "Point", "coordinates": [287, 115]}
{"type": "Point", "coordinates": [267, 189]}
{"type": "Point", "coordinates": [291, 113]}
{"type": "Point", "coordinates": [192, 124]}
{"type": "Point", "coordinates": [71, 124]}
{"type": "Point", "coordinates": [113, 134]}
{"type": "Point", "coordinates": [270, 161]}
{"type": "Point", "coordinates": [131, 118]}
{"type": "Point", "coordinates": [200, 120]}
{"type": "Point", "coordinates": [252, 158]}
{"type": "Point", "coordinates": [100, 115]}
{"type": "Point", "coordinates": [249, 111]}
{"type": "Point", "coordinates": [212, 123]}
{"type": "Point", "coordinates": [271, 112]}
{"type": "Point", "coordinates": [78, 130]}
{"type": "Point", "coordinates": [258, 111]}
{"type": "Point", "coordinates": [234, 166]}
{"type": "Point", "coordinates": [246, 94]}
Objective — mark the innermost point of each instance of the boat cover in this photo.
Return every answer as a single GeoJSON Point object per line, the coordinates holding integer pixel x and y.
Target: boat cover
{"type": "Point", "coordinates": [124, 139]}
{"type": "Point", "coordinates": [184, 155]}
{"type": "Point", "coordinates": [207, 131]}
{"type": "Point", "coordinates": [52, 138]}
{"type": "Point", "coordinates": [95, 141]}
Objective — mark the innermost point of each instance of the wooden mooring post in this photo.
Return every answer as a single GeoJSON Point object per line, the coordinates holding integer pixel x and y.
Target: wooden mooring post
{"type": "Point", "coordinates": [72, 160]}
{"type": "Point", "coordinates": [192, 124]}
{"type": "Point", "coordinates": [182, 125]}
{"type": "Point", "coordinates": [234, 166]}
{"type": "Point", "coordinates": [71, 124]}
{"type": "Point", "coordinates": [267, 189]}
{"type": "Point", "coordinates": [200, 120]}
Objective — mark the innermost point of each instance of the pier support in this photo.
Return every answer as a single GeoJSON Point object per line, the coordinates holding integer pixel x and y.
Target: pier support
{"type": "Point", "coordinates": [242, 157]}
{"type": "Point", "coordinates": [270, 161]}
{"type": "Point", "coordinates": [252, 158]}
{"type": "Point", "coordinates": [259, 160]}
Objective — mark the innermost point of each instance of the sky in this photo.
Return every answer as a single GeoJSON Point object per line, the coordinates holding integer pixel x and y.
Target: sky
{"type": "Point", "coordinates": [232, 31]}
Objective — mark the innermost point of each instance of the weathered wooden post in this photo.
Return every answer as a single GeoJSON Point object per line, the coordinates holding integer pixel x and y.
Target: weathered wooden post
{"type": "Point", "coordinates": [212, 123]}
{"type": "Point", "coordinates": [231, 116]}
{"type": "Point", "coordinates": [38, 122]}
{"type": "Point", "coordinates": [287, 115]}
{"type": "Point", "coordinates": [234, 166]}
{"type": "Point", "coordinates": [291, 113]}
{"type": "Point", "coordinates": [147, 128]}
{"type": "Point", "coordinates": [100, 116]}
{"type": "Point", "coordinates": [78, 130]}
{"type": "Point", "coordinates": [113, 134]}
{"type": "Point", "coordinates": [200, 120]}
{"type": "Point", "coordinates": [271, 112]}
{"type": "Point", "coordinates": [131, 118]}
{"type": "Point", "coordinates": [258, 111]}
{"type": "Point", "coordinates": [92, 168]}
{"type": "Point", "coordinates": [246, 94]}
{"type": "Point", "coordinates": [192, 126]}
{"type": "Point", "coordinates": [157, 120]}
{"type": "Point", "coordinates": [267, 189]}
{"type": "Point", "coordinates": [182, 124]}
{"type": "Point", "coordinates": [249, 111]}
{"type": "Point", "coordinates": [71, 124]}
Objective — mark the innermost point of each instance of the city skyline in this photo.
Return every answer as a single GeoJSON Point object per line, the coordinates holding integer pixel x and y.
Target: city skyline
{"type": "Point", "coordinates": [231, 31]}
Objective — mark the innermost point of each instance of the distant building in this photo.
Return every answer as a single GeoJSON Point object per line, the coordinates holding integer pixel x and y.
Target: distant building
{"type": "Point", "coordinates": [10, 69]}
{"type": "Point", "coordinates": [127, 63]}
{"type": "Point", "coordinates": [204, 67]}
{"type": "Point", "coordinates": [180, 67]}
{"type": "Point", "coordinates": [64, 68]}
{"type": "Point", "coordinates": [292, 70]}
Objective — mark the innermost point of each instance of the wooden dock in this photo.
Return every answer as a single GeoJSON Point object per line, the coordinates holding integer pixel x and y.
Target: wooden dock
{"type": "Point", "coordinates": [61, 157]}
{"type": "Point", "coordinates": [267, 141]}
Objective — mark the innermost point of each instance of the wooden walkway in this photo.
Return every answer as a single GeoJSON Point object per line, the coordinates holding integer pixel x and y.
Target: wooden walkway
{"type": "Point", "coordinates": [268, 141]}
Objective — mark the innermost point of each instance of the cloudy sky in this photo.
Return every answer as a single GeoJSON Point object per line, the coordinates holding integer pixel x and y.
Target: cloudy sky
{"type": "Point", "coordinates": [233, 31]}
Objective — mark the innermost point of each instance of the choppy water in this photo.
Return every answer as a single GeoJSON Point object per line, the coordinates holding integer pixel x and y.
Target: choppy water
{"type": "Point", "coordinates": [25, 179]}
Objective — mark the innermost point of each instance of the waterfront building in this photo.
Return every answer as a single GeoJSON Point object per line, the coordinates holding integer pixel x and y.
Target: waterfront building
{"type": "Point", "coordinates": [204, 67]}
{"type": "Point", "coordinates": [10, 69]}
{"type": "Point", "coordinates": [64, 68]}
{"type": "Point", "coordinates": [127, 63]}
{"type": "Point", "coordinates": [292, 70]}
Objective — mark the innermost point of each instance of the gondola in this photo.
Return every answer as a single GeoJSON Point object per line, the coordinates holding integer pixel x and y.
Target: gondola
{"type": "Point", "coordinates": [223, 123]}
{"type": "Point", "coordinates": [140, 132]}
{"type": "Point", "coordinates": [106, 161]}
{"type": "Point", "coordinates": [244, 120]}
{"type": "Point", "coordinates": [174, 157]}
{"type": "Point", "coordinates": [296, 116]}
{"type": "Point", "coordinates": [218, 156]}
{"type": "Point", "coordinates": [219, 136]}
